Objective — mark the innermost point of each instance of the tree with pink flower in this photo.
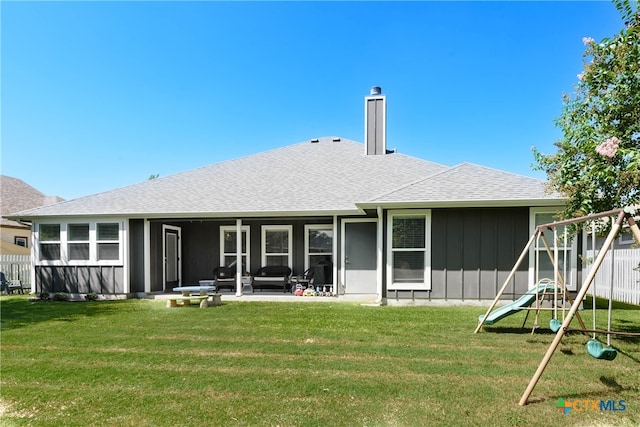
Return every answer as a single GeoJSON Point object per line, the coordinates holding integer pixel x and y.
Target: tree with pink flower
{"type": "Point", "coordinates": [597, 165]}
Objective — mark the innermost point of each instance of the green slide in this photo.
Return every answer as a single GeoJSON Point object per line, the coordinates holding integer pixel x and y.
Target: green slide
{"type": "Point", "coordinates": [524, 301]}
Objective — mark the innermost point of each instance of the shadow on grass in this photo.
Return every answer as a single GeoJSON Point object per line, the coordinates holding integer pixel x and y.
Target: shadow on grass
{"type": "Point", "coordinates": [603, 303]}
{"type": "Point", "coordinates": [519, 331]}
{"type": "Point", "coordinates": [18, 311]}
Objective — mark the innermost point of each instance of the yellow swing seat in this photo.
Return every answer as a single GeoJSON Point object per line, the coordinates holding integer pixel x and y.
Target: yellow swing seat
{"type": "Point", "coordinates": [595, 349]}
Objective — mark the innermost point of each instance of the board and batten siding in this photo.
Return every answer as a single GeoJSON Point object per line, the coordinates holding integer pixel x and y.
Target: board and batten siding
{"type": "Point", "coordinates": [136, 255]}
{"type": "Point", "coordinates": [103, 279]}
{"type": "Point", "coordinates": [474, 250]}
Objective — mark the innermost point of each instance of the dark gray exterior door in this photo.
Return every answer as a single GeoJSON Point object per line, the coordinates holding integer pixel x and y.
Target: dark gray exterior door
{"type": "Point", "coordinates": [171, 258]}
{"type": "Point", "coordinates": [360, 258]}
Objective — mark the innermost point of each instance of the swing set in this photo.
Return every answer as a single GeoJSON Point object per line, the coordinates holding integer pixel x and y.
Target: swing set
{"type": "Point", "coordinates": [594, 347]}
{"type": "Point", "coordinates": [545, 289]}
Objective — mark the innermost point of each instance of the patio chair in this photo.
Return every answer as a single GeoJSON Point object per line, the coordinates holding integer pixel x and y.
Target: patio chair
{"type": "Point", "coordinates": [4, 284]}
{"type": "Point", "coordinates": [15, 285]}
{"type": "Point", "coordinates": [224, 277]}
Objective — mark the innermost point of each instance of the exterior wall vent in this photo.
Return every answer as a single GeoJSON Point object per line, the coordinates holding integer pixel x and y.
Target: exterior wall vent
{"type": "Point", "coordinates": [375, 122]}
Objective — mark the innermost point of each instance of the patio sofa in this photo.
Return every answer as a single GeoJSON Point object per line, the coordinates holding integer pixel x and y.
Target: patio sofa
{"type": "Point", "coordinates": [272, 277]}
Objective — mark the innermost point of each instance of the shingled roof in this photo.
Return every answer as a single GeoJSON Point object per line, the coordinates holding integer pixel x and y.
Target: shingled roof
{"type": "Point", "coordinates": [16, 195]}
{"type": "Point", "coordinates": [319, 177]}
{"type": "Point", "coordinates": [469, 183]}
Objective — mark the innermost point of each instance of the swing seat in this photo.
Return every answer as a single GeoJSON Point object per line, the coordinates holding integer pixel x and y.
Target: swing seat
{"type": "Point", "coordinates": [595, 349]}
{"type": "Point", "coordinates": [554, 325]}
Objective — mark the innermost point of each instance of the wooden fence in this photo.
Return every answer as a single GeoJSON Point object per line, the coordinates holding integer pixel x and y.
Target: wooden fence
{"type": "Point", "coordinates": [626, 276]}
{"type": "Point", "coordinates": [16, 267]}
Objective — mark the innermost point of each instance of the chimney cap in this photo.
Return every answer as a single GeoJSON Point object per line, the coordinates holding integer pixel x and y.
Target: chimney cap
{"type": "Point", "coordinates": [375, 90]}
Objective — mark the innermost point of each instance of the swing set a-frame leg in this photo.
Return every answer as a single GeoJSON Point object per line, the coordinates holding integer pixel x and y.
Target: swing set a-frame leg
{"type": "Point", "coordinates": [574, 308]}
{"type": "Point", "coordinates": [524, 253]}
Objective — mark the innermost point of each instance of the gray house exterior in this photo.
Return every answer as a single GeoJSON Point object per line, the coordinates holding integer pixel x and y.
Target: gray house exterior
{"type": "Point", "coordinates": [384, 225]}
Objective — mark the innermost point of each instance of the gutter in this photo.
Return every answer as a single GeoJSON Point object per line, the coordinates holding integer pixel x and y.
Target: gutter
{"type": "Point", "coordinates": [463, 203]}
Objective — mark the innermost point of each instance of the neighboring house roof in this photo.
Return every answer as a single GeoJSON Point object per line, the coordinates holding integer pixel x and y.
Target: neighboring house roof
{"type": "Point", "coordinates": [323, 176]}
{"type": "Point", "coordinates": [16, 196]}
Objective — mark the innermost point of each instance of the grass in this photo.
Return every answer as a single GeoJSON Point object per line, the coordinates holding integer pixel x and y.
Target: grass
{"type": "Point", "coordinates": [137, 363]}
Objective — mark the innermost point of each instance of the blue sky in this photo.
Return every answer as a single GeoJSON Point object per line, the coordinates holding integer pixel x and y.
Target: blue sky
{"type": "Point", "coordinates": [100, 95]}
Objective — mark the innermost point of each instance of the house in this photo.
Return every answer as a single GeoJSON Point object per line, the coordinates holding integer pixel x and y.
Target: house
{"type": "Point", "coordinates": [15, 196]}
{"type": "Point", "coordinates": [15, 237]}
{"type": "Point", "coordinates": [385, 225]}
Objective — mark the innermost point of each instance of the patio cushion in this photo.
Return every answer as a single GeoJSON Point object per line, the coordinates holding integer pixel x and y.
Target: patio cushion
{"type": "Point", "coordinates": [272, 277]}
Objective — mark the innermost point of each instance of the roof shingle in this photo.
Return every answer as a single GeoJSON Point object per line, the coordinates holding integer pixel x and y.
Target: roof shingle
{"type": "Point", "coordinates": [327, 176]}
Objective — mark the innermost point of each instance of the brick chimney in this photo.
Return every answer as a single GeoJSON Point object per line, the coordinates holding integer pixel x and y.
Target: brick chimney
{"type": "Point", "coordinates": [375, 122]}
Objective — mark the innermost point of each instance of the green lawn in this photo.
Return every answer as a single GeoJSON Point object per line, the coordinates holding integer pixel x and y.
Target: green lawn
{"type": "Point", "coordinates": [137, 363]}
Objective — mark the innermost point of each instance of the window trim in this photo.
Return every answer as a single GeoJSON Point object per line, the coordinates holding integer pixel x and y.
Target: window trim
{"type": "Point", "coordinates": [263, 244]}
{"type": "Point", "coordinates": [93, 243]}
{"type": "Point", "coordinates": [425, 285]}
{"type": "Point", "coordinates": [307, 254]}
{"type": "Point", "coordinates": [84, 242]}
{"type": "Point", "coordinates": [626, 236]}
{"type": "Point", "coordinates": [573, 267]}
{"type": "Point", "coordinates": [243, 229]}
{"type": "Point", "coordinates": [17, 239]}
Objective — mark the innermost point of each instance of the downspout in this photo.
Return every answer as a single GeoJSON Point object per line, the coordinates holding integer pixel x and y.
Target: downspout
{"type": "Point", "coordinates": [239, 257]}
{"type": "Point", "coordinates": [379, 257]}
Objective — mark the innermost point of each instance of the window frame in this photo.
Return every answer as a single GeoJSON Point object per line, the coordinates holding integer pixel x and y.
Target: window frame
{"type": "Point", "coordinates": [18, 239]}
{"type": "Point", "coordinates": [244, 229]}
{"type": "Point", "coordinates": [93, 243]}
{"type": "Point", "coordinates": [263, 244]}
{"type": "Point", "coordinates": [572, 280]}
{"type": "Point", "coordinates": [40, 243]}
{"type": "Point", "coordinates": [81, 241]}
{"type": "Point", "coordinates": [99, 242]}
{"type": "Point", "coordinates": [425, 284]}
{"type": "Point", "coordinates": [307, 253]}
{"type": "Point", "coordinates": [626, 236]}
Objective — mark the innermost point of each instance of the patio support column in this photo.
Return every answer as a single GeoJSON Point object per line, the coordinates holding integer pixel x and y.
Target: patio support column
{"type": "Point", "coordinates": [32, 258]}
{"type": "Point", "coordinates": [239, 257]}
{"type": "Point", "coordinates": [334, 257]}
{"type": "Point", "coordinates": [125, 255]}
{"type": "Point", "coordinates": [379, 259]}
{"type": "Point", "coordinates": [147, 255]}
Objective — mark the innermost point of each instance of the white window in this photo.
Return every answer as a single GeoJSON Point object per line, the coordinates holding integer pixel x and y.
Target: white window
{"type": "Point", "coordinates": [229, 244]}
{"type": "Point", "coordinates": [108, 241]}
{"type": "Point", "coordinates": [626, 236]}
{"type": "Point", "coordinates": [82, 243]}
{"type": "Point", "coordinates": [21, 241]}
{"type": "Point", "coordinates": [565, 245]}
{"type": "Point", "coordinates": [408, 251]}
{"type": "Point", "coordinates": [78, 241]}
{"type": "Point", "coordinates": [50, 237]}
{"type": "Point", "coordinates": [318, 244]}
{"type": "Point", "coordinates": [277, 245]}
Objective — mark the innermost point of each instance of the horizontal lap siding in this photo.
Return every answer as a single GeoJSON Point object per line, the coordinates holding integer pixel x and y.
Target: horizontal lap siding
{"type": "Point", "coordinates": [473, 251]}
